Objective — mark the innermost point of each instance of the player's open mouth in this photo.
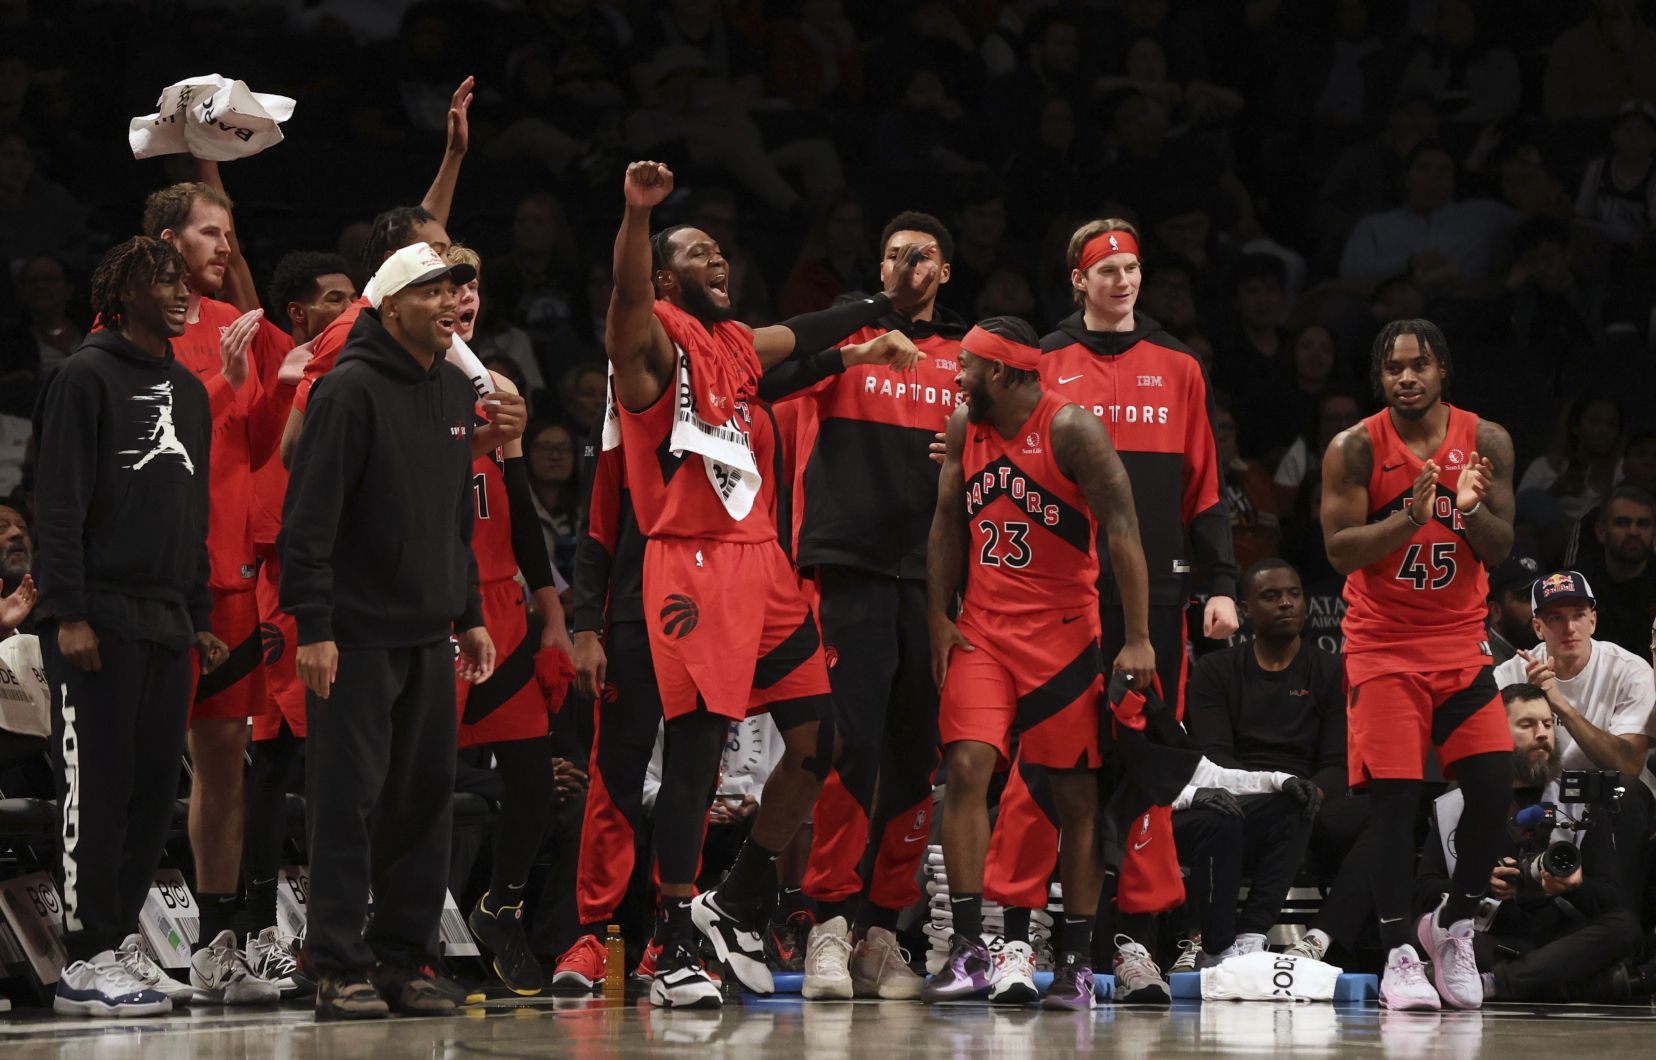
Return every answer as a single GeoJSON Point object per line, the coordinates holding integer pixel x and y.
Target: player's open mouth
{"type": "Point", "coordinates": [719, 282]}
{"type": "Point", "coordinates": [177, 312]}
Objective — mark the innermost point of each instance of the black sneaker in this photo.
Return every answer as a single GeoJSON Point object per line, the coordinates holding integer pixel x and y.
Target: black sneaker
{"type": "Point", "coordinates": [500, 931]}
{"type": "Point", "coordinates": [785, 941]}
{"type": "Point", "coordinates": [680, 980]}
{"type": "Point", "coordinates": [449, 988]}
{"type": "Point", "coordinates": [735, 941]}
{"type": "Point", "coordinates": [349, 996]}
{"type": "Point", "coordinates": [411, 992]}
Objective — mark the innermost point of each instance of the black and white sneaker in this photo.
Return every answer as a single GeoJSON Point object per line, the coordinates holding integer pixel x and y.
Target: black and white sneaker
{"type": "Point", "coordinates": [738, 944]}
{"type": "Point", "coordinates": [103, 987]}
{"type": "Point", "coordinates": [274, 958]}
{"type": "Point", "coordinates": [680, 981]}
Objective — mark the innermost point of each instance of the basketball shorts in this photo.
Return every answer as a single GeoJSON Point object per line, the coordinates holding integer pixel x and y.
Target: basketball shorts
{"type": "Point", "coordinates": [1391, 718]}
{"type": "Point", "coordinates": [1039, 672]}
{"type": "Point", "coordinates": [510, 704]}
{"type": "Point", "coordinates": [731, 632]}
{"type": "Point", "coordinates": [278, 642]}
{"type": "Point", "coordinates": [237, 688]}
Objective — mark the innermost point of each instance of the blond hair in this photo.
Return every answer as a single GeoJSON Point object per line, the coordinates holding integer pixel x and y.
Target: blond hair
{"type": "Point", "coordinates": [460, 254]}
{"type": "Point", "coordinates": [1086, 234]}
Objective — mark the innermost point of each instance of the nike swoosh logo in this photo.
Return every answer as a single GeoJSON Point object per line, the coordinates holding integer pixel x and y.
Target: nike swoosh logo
{"type": "Point", "coordinates": [1068, 620]}
{"type": "Point", "coordinates": [1067, 379]}
{"type": "Point", "coordinates": [1141, 845]}
{"type": "Point", "coordinates": [1390, 467]}
{"type": "Point", "coordinates": [915, 838]}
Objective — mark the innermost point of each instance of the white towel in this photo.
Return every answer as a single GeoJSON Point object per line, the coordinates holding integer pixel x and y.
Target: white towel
{"type": "Point", "coordinates": [1269, 976]}
{"type": "Point", "coordinates": [211, 117]}
{"type": "Point", "coordinates": [461, 356]}
{"type": "Point", "coordinates": [25, 701]}
{"type": "Point", "coordinates": [725, 449]}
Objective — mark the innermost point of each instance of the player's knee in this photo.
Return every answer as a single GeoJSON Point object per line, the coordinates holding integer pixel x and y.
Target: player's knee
{"type": "Point", "coordinates": [969, 766]}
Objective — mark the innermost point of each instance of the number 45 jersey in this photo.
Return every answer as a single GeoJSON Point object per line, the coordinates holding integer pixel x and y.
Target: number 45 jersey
{"type": "Point", "coordinates": [1423, 607]}
{"type": "Point", "coordinates": [1031, 532]}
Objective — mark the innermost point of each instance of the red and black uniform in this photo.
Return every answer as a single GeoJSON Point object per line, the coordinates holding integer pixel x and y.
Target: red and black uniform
{"type": "Point", "coordinates": [1031, 606]}
{"type": "Point", "coordinates": [325, 350]}
{"type": "Point", "coordinates": [866, 491]}
{"type": "Point", "coordinates": [284, 692]}
{"type": "Point", "coordinates": [247, 426]}
{"type": "Point", "coordinates": [1417, 657]}
{"type": "Point", "coordinates": [730, 631]}
{"type": "Point", "coordinates": [1150, 392]}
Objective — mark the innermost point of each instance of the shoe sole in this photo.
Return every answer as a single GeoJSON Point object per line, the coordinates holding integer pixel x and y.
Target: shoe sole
{"type": "Point", "coordinates": [205, 996]}
{"type": "Point", "coordinates": [833, 990]}
{"type": "Point", "coordinates": [334, 1015]}
{"type": "Point", "coordinates": [868, 988]}
{"type": "Point", "coordinates": [1423, 933]}
{"type": "Point", "coordinates": [64, 1006]}
{"type": "Point", "coordinates": [659, 999]}
{"type": "Point", "coordinates": [752, 974]}
{"type": "Point", "coordinates": [1015, 994]}
{"type": "Point", "coordinates": [519, 988]}
{"type": "Point", "coordinates": [575, 981]}
{"type": "Point", "coordinates": [1053, 1005]}
{"type": "Point", "coordinates": [1145, 995]}
{"type": "Point", "coordinates": [1408, 1005]}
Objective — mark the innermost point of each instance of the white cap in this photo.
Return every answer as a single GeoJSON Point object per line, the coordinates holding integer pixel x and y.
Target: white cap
{"type": "Point", "coordinates": [412, 266]}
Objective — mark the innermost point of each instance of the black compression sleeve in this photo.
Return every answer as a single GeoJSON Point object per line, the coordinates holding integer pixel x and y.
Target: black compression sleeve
{"type": "Point", "coordinates": [800, 373]}
{"type": "Point", "coordinates": [590, 586]}
{"type": "Point", "coordinates": [528, 543]}
{"type": "Point", "coordinates": [1210, 536]}
{"type": "Point", "coordinates": [831, 326]}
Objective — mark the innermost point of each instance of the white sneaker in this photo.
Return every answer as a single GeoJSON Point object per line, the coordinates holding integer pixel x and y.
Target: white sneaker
{"type": "Point", "coordinates": [1016, 982]}
{"type": "Point", "coordinates": [680, 981]}
{"type": "Point", "coordinates": [103, 987]}
{"type": "Point", "coordinates": [1313, 944]}
{"type": "Point", "coordinates": [1241, 947]}
{"type": "Point", "coordinates": [880, 968]}
{"type": "Point", "coordinates": [1454, 965]}
{"type": "Point", "coordinates": [274, 957]}
{"type": "Point", "coordinates": [1137, 979]}
{"type": "Point", "coordinates": [1404, 985]}
{"type": "Point", "coordinates": [221, 975]}
{"type": "Point", "coordinates": [828, 962]}
{"type": "Point", "coordinates": [135, 958]}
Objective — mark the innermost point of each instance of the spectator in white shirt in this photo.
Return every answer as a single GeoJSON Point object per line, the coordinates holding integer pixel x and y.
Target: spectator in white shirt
{"type": "Point", "coordinates": [1603, 697]}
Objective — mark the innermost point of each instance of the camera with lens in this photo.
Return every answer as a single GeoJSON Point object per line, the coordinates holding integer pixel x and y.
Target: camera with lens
{"type": "Point", "coordinates": [1591, 789]}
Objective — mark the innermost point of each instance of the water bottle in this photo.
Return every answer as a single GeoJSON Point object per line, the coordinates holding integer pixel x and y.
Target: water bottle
{"type": "Point", "coordinates": [615, 965]}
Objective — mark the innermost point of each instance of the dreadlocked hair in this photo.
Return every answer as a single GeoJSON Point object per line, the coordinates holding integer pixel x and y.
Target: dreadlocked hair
{"type": "Point", "coordinates": [390, 232]}
{"type": "Point", "coordinates": [135, 263]}
{"type": "Point", "coordinates": [1431, 340]}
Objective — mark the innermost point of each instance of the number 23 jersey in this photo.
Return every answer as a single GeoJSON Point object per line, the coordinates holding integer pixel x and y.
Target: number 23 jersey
{"type": "Point", "coordinates": [1031, 531]}
{"type": "Point", "coordinates": [1421, 608]}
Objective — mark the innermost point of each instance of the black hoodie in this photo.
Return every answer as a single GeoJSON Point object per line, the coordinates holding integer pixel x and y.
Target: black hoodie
{"type": "Point", "coordinates": [377, 522]}
{"type": "Point", "coordinates": [121, 493]}
{"type": "Point", "coordinates": [1151, 393]}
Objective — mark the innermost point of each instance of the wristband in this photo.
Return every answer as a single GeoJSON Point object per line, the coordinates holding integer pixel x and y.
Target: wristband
{"type": "Point", "coordinates": [1408, 513]}
{"type": "Point", "coordinates": [1474, 509]}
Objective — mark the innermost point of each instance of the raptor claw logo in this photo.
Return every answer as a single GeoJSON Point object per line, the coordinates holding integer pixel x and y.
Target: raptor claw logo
{"type": "Point", "coordinates": [679, 616]}
{"type": "Point", "coordinates": [271, 642]}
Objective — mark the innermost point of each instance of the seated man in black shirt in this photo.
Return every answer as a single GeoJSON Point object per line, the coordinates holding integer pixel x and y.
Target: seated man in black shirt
{"type": "Point", "coordinates": [1274, 704]}
{"type": "Point", "coordinates": [1625, 576]}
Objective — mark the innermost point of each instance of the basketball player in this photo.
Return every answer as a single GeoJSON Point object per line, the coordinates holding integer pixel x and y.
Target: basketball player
{"type": "Point", "coordinates": [509, 712]}
{"type": "Point", "coordinates": [868, 496]}
{"type": "Point", "coordinates": [309, 289]}
{"type": "Point", "coordinates": [730, 631]}
{"type": "Point", "coordinates": [1029, 483]}
{"type": "Point", "coordinates": [1417, 501]}
{"type": "Point", "coordinates": [1150, 393]}
{"type": "Point", "coordinates": [123, 569]}
{"type": "Point", "coordinates": [240, 358]}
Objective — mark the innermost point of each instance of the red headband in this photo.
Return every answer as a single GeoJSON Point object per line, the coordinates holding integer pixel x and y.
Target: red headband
{"type": "Point", "coordinates": [1101, 246]}
{"type": "Point", "coordinates": [992, 347]}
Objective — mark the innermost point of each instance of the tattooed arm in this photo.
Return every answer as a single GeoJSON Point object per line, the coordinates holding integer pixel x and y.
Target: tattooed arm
{"type": "Point", "coordinates": [946, 551]}
{"type": "Point", "coordinates": [1084, 452]}
{"type": "Point", "coordinates": [1484, 494]}
{"type": "Point", "coordinates": [1352, 541]}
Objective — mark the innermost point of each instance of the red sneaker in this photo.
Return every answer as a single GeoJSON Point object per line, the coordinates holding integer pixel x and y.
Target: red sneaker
{"type": "Point", "coordinates": [647, 964]}
{"type": "Point", "coordinates": [582, 966]}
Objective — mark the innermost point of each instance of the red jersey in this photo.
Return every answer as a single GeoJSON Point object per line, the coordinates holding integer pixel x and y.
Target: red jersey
{"type": "Point", "coordinates": [325, 350]}
{"type": "Point", "coordinates": [247, 425]}
{"type": "Point", "coordinates": [1032, 532]}
{"type": "Point", "coordinates": [1423, 607]}
{"type": "Point", "coordinates": [673, 496]}
{"type": "Point", "coordinates": [492, 530]}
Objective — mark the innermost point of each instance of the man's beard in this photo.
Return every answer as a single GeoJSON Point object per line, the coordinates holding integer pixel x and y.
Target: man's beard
{"type": "Point", "coordinates": [699, 304]}
{"type": "Point", "coordinates": [1530, 770]}
{"type": "Point", "coordinates": [1517, 634]}
{"type": "Point", "coordinates": [1417, 413]}
{"type": "Point", "coordinates": [979, 404]}
{"type": "Point", "coordinates": [14, 564]}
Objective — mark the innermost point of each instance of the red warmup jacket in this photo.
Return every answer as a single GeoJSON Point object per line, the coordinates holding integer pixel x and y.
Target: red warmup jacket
{"type": "Point", "coordinates": [247, 426]}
